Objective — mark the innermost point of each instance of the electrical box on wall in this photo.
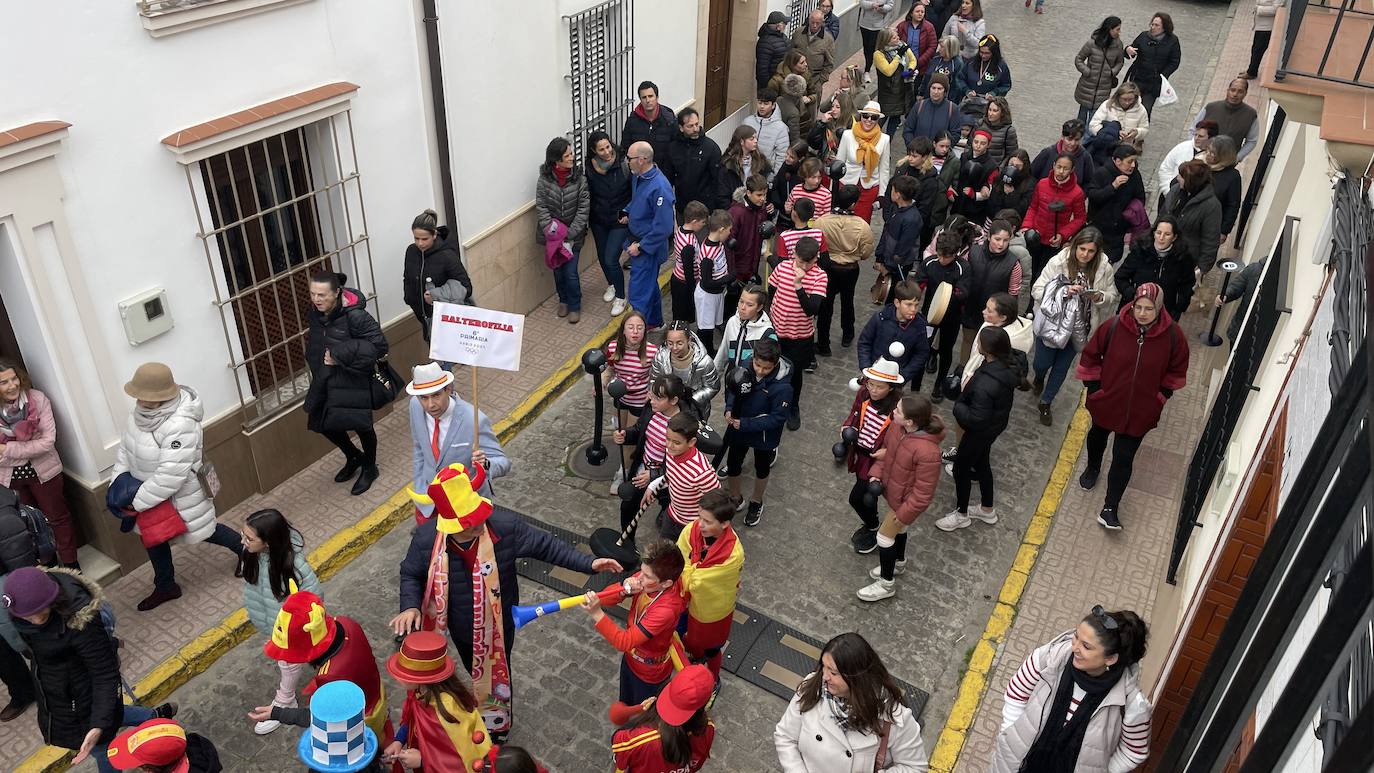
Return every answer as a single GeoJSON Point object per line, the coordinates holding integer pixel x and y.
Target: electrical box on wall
{"type": "Point", "coordinates": [146, 315]}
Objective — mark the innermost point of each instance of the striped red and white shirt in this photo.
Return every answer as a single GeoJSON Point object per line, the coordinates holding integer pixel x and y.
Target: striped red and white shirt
{"type": "Point", "coordinates": [690, 475]}
{"type": "Point", "coordinates": [821, 197]}
{"type": "Point", "coordinates": [706, 250]}
{"type": "Point", "coordinates": [633, 371]}
{"type": "Point", "coordinates": [872, 424]}
{"type": "Point", "coordinates": [787, 240]}
{"type": "Point", "coordinates": [681, 238]}
{"type": "Point", "coordinates": [1134, 747]}
{"type": "Point", "coordinates": [789, 321]}
{"type": "Point", "coordinates": [656, 440]}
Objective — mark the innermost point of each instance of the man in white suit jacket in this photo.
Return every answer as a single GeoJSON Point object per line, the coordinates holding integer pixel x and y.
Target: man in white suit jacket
{"type": "Point", "coordinates": [441, 433]}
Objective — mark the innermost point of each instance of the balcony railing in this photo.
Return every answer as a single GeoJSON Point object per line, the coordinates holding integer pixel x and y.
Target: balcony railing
{"type": "Point", "coordinates": [1329, 40]}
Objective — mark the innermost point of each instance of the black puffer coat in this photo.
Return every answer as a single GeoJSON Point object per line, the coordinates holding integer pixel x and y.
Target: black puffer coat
{"type": "Point", "coordinates": [1173, 273]}
{"type": "Point", "coordinates": [75, 665]}
{"type": "Point", "coordinates": [984, 405]}
{"type": "Point", "coordinates": [16, 543]}
{"type": "Point", "coordinates": [440, 263]}
{"type": "Point", "coordinates": [1153, 59]}
{"type": "Point", "coordinates": [768, 53]}
{"type": "Point", "coordinates": [610, 192]}
{"type": "Point", "coordinates": [1107, 204]}
{"type": "Point", "coordinates": [340, 396]}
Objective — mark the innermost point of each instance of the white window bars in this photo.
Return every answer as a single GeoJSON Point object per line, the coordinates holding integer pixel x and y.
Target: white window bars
{"type": "Point", "coordinates": [601, 70]}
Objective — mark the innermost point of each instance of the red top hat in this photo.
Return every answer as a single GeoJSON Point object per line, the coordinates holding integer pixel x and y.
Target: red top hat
{"type": "Point", "coordinates": [423, 659]}
{"type": "Point", "coordinates": [155, 742]}
{"type": "Point", "coordinates": [690, 689]}
{"type": "Point", "coordinates": [303, 631]}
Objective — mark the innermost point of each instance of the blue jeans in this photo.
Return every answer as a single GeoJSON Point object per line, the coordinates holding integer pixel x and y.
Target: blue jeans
{"type": "Point", "coordinates": [1056, 362]}
{"type": "Point", "coordinates": [134, 715]}
{"type": "Point", "coordinates": [568, 283]}
{"type": "Point", "coordinates": [610, 240]}
{"type": "Point", "coordinates": [160, 556]}
{"type": "Point", "coordinates": [1085, 114]}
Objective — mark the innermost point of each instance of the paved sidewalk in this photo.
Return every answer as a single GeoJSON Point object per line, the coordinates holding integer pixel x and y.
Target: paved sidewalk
{"type": "Point", "coordinates": [1082, 564]}
{"type": "Point", "coordinates": [320, 509]}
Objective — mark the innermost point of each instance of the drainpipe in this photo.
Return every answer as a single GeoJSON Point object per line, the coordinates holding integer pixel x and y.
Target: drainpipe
{"type": "Point", "coordinates": [436, 88]}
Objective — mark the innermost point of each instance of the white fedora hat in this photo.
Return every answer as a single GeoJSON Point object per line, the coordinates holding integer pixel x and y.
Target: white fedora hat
{"type": "Point", "coordinates": [871, 107]}
{"type": "Point", "coordinates": [428, 379]}
{"type": "Point", "coordinates": [884, 370]}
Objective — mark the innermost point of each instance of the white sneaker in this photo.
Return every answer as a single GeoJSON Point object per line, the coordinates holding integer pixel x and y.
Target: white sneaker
{"type": "Point", "coordinates": [949, 469]}
{"type": "Point", "coordinates": [266, 726]}
{"type": "Point", "coordinates": [877, 571]}
{"type": "Point", "coordinates": [618, 307]}
{"type": "Point", "coordinates": [878, 590]}
{"type": "Point", "coordinates": [868, 78]}
{"type": "Point", "coordinates": [616, 481]}
{"type": "Point", "coordinates": [608, 295]}
{"type": "Point", "coordinates": [954, 520]}
{"type": "Point", "coordinates": [986, 516]}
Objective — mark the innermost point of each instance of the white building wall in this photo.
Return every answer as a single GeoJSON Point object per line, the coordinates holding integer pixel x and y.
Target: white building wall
{"type": "Point", "coordinates": [131, 217]}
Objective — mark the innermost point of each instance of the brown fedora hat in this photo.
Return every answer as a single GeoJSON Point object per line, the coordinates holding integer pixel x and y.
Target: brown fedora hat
{"type": "Point", "coordinates": [152, 382]}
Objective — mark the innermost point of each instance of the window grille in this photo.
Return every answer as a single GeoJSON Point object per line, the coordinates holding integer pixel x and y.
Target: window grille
{"type": "Point", "coordinates": [1352, 234]}
{"type": "Point", "coordinates": [797, 13]}
{"type": "Point", "coordinates": [271, 213]}
{"type": "Point", "coordinates": [1246, 358]}
{"type": "Point", "coordinates": [601, 48]}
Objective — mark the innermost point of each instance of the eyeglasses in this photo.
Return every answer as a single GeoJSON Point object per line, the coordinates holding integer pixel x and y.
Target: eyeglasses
{"type": "Point", "coordinates": [635, 158]}
{"type": "Point", "coordinates": [1107, 620]}
{"type": "Point", "coordinates": [867, 117]}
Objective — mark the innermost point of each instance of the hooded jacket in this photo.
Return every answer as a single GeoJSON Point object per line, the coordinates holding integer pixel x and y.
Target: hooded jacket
{"type": "Point", "coordinates": [1136, 371]}
{"type": "Point", "coordinates": [1022, 337]}
{"type": "Point", "coordinates": [658, 132]}
{"type": "Point", "coordinates": [17, 548]}
{"type": "Point", "coordinates": [910, 471]}
{"type": "Point", "coordinates": [773, 138]}
{"type": "Point", "coordinates": [768, 53]}
{"type": "Point", "coordinates": [799, 116]}
{"type": "Point", "coordinates": [166, 460]}
{"type": "Point", "coordinates": [262, 607]}
{"type": "Point", "coordinates": [1065, 222]}
{"type": "Point", "coordinates": [703, 381]}
{"type": "Point", "coordinates": [340, 395]}
{"type": "Point", "coordinates": [1097, 71]}
{"type": "Point", "coordinates": [75, 665]}
{"type": "Point", "coordinates": [763, 408]}
{"type": "Point", "coordinates": [737, 343]}
{"type": "Point", "coordinates": [693, 166]}
{"type": "Point", "coordinates": [883, 329]}
{"type": "Point", "coordinates": [1004, 143]}
{"type": "Point", "coordinates": [441, 264]}
{"type": "Point", "coordinates": [1199, 222]}
{"type": "Point", "coordinates": [745, 219]}
{"type": "Point", "coordinates": [984, 405]}
{"type": "Point", "coordinates": [569, 204]}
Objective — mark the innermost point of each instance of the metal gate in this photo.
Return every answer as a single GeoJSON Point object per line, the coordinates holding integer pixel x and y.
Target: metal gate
{"type": "Point", "coordinates": [601, 44]}
{"type": "Point", "coordinates": [797, 12]}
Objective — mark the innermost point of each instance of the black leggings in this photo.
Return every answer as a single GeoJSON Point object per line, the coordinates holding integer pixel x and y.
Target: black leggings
{"type": "Point", "coordinates": [1123, 460]}
{"type": "Point", "coordinates": [763, 460]}
{"type": "Point", "coordinates": [870, 38]}
{"type": "Point", "coordinates": [974, 461]}
{"type": "Point", "coordinates": [841, 282]}
{"type": "Point", "coordinates": [947, 338]}
{"type": "Point", "coordinates": [367, 437]}
{"type": "Point", "coordinates": [867, 514]}
{"type": "Point", "coordinates": [628, 509]}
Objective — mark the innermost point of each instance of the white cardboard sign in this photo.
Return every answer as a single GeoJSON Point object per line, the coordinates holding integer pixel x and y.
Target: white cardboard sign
{"type": "Point", "coordinates": [470, 335]}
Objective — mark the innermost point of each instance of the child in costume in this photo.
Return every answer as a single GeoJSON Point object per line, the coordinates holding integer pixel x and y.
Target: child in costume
{"type": "Point", "coordinates": [714, 559]}
{"type": "Point", "coordinates": [688, 473]}
{"type": "Point", "coordinates": [713, 274]}
{"type": "Point", "coordinates": [683, 282]}
{"type": "Point", "coordinates": [672, 733]}
{"type": "Point", "coordinates": [162, 746]}
{"type": "Point", "coordinates": [631, 357]}
{"type": "Point", "coordinates": [649, 639]}
{"type": "Point", "coordinates": [649, 437]}
{"type": "Point", "coordinates": [870, 416]}
{"type": "Point", "coordinates": [441, 728]}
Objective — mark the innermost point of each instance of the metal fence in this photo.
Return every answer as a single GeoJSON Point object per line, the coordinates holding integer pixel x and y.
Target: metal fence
{"type": "Point", "coordinates": [278, 210]}
{"type": "Point", "coordinates": [601, 44]}
{"type": "Point", "coordinates": [1352, 232]}
{"type": "Point", "coordinates": [797, 11]}
{"type": "Point", "coordinates": [1347, 30]}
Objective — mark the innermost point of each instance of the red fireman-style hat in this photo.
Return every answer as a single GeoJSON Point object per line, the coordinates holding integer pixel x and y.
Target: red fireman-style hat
{"type": "Point", "coordinates": [303, 631]}
{"type": "Point", "coordinates": [157, 742]}
{"type": "Point", "coordinates": [423, 659]}
{"type": "Point", "coordinates": [453, 493]}
{"type": "Point", "coordinates": [689, 690]}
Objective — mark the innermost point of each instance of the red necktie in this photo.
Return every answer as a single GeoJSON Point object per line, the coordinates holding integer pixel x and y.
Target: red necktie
{"type": "Point", "coordinates": [434, 441]}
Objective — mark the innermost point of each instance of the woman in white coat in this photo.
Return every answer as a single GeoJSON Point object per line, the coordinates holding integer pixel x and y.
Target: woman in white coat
{"type": "Point", "coordinates": [161, 450]}
{"type": "Point", "coordinates": [865, 151]}
{"type": "Point", "coordinates": [848, 717]}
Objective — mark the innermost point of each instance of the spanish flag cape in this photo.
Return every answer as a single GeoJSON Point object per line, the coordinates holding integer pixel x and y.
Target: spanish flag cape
{"type": "Point", "coordinates": [444, 745]}
{"type": "Point", "coordinates": [712, 583]}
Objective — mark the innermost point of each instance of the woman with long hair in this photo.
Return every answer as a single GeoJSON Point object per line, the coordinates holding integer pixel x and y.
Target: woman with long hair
{"type": "Point", "coordinates": [562, 204]}
{"type": "Point", "coordinates": [919, 33]}
{"type": "Point", "coordinates": [1159, 257]}
{"type": "Point", "coordinates": [968, 26]}
{"type": "Point", "coordinates": [673, 732]}
{"type": "Point", "coordinates": [432, 270]}
{"type": "Point", "coordinates": [996, 121]}
{"type": "Point", "coordinates": [29, 463]}
{"type": "Point", "coordinates": [1076, 702]}
{"type": "Point", "coordinates": [896, 65]}
{"type": "Point", "coordinates": [983, 410]}
{"type": "Point", "coordinates": [1071, 297]}
{"type": "Point", "coordinates": [986, 74]}
{"type": "Point", "coordinates": [742, 159]}
{"type": "Point", "coordinates": [875, 18]}
{"type": "Point", "coordinates": [608, 184]}
{"type": "Point", "coordinates": [273, 566]}
{"type": "Point", "coordinates": [1013, 188]}
{"type": "Point", "coordinates": [947, 62]}
{"type": "Point", "coordinates": [908, 467]}
{"type": "Point", "coordinates": [1099, 61]}
{"type": "Point", "coordinates": [1126, 110]}
{"type": "Point", "coordinates": [441, 726]}
{"type": "Point", "coordinates": [1157, 53]}
{"type": "Point", "coordinates": [849, 715]}
{"type": "Point", "coordinates": [1192, 200]}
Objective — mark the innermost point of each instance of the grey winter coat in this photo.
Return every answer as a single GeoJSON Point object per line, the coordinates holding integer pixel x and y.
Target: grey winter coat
{"type": "Point", "coordinates": [569, 204]}
{"type": "Point", "coordinates": [262, 607]}
{"type": "Point", "coordinates": [703, 380]}
{"type": "Point", "coordinates": [1199, 220]}
{"type": "Point", "coordinates": [1098, 69]}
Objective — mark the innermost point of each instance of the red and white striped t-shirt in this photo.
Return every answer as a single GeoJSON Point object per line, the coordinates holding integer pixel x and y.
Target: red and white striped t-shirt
{"type": "Point", "coordinates": [821, 197]}
{"type": "Point", "coordinates": [871, 426]}
{"type": "Point", "coordinates": [789, 321]}
{"type": "Point", "coordinates": [656, 440]}
{"type": "Point", "coordinates": [787, 240]}
{"type": "Point", "coordinates": [681, 238]}
{"type": "Point", "coordinates": [714, 252]}
{"type": "Point", "coordinates": [633, 371]}
{"type": "Point", "coordinates": [689, 476]}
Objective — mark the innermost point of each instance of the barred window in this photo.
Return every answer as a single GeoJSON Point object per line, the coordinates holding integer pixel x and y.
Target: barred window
{"type": "Point", "coordinates": [797, 13]}
{"type": "Point", "coordinates": [279, 210]}
{"type": "Point", "coordinates": [601, 60]}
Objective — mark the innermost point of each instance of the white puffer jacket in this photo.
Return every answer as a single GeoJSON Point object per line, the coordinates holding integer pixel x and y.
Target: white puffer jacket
{"type": "Point", "coordinates": [166, 460]}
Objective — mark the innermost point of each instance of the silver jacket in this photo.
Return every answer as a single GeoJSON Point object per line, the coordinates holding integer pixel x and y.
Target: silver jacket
{"type": "Point", "coordinates": [703, 380]}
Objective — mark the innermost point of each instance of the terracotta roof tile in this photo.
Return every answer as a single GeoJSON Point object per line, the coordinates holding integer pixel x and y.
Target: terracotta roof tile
{"type": "Point", "coordinates": [30, 130]}
{"type": "Point", "coordinates": [250, 115]}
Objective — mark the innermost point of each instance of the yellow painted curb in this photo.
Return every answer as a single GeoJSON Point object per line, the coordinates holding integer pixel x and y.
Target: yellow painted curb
{"type": "Point", "coordinates": [200, 653]}
{"type": "Point", "coordinates": [975, 680]}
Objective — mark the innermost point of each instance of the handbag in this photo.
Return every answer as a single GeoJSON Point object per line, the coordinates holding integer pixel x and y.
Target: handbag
{"type": "Point", "coordinates": [385, 384]}
{"type": "Point", "coordinates": [1167, 95]}
{"type": "Point", "coordinates": [159, 523]}
{"type": "Point", "coordinates": [880, 759]}
{"type": "Point", "coordinates": [881, 286]}
{"type": "Point", "coordinates": [209, 478]}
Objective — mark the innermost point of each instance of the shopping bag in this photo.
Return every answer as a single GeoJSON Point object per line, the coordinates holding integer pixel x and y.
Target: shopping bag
{"type": "Point", "coordinates": [1167, 95]}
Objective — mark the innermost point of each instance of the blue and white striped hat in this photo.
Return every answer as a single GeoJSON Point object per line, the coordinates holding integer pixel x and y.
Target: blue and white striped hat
{"type": "Point", "coordinates": [338, 741]}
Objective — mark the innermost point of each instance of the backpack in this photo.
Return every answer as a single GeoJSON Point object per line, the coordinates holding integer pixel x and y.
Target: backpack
{"type": "Point", "coordinates": [37, 525]}
{"type": "Point", "coordinates": [1059, 319]}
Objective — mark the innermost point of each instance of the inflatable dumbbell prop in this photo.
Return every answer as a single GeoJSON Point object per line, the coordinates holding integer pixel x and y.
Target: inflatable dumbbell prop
{"type": "Point", "coordinates": [875, 490]}
{"type": "Point", "coordinates": [616, 389]}
{"type": "Point", "coordinates": [836, 170]}
{"type": "Point", "coordinates": [740, 379]}
{"type": "Point", "coordinates": [594, 362]}
{"type": "Point", "coordinates": [841, 449]}
{"type": "Point", "coordinates": [609, 543]}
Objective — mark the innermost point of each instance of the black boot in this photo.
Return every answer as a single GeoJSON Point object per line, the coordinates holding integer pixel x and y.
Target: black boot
{"type": "Point", "coordinates": [352, 463]}
{"type": "Point", "coordinates": [365, 480]}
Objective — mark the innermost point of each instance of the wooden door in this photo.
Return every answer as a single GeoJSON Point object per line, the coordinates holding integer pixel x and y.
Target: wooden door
{"type": "Point", "coordinates": [718, 26]}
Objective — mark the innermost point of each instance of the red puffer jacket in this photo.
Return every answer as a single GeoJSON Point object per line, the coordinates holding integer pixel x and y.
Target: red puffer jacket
{"type": "Point", "coordinates": [1048, 196]}
{"type": "Point", "coordinates": [1137, 372]}
{"type": "Point", "coordinates": [910, 471]}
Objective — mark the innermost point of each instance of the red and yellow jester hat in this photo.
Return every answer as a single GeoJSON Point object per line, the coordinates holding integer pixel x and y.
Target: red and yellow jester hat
{"type": "Point", "coordinates": [303, 631]}
{"type": "Point", "coordinates": [453, 492]}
